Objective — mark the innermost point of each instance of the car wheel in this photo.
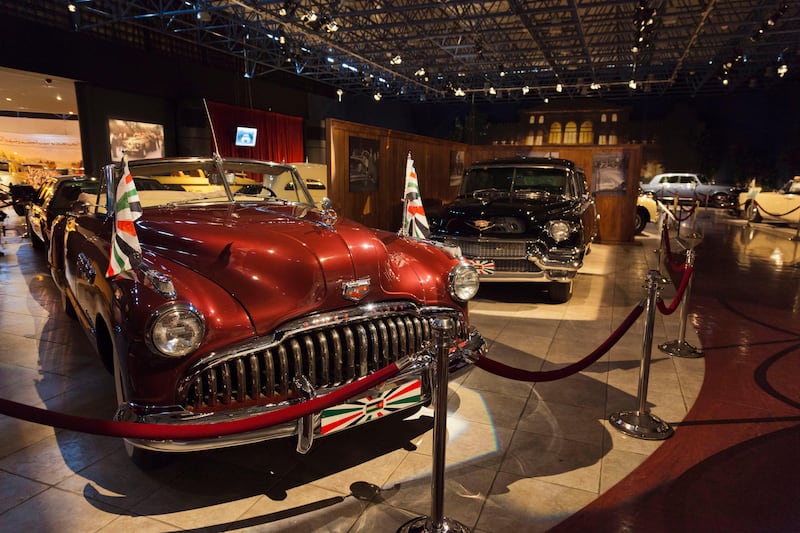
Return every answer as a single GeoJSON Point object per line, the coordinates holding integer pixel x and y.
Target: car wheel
{"type": "Point", "coordinates": [641, 219]}
{"type": "Point", "coordinates": [752, 213]}
{"type": "Point", "coordinates": [560, 292]}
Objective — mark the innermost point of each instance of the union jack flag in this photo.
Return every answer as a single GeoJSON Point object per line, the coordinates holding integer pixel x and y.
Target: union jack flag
{"type": "Point", "coordinates": [485, 267]}
{"type": "Point", "coordinates": [125, 248]}
{"type": "Point", "coordinates": [415, 223]}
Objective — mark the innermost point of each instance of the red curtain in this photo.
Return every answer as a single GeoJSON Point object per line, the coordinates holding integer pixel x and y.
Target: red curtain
{"type": "Point", "coordinates": [280, 137]}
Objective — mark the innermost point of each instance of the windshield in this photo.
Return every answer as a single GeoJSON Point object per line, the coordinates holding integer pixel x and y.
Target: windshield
{"type": "Point", "coordinates": [525, 182]}
{"type": "Point", "coordinates": [199, 181]}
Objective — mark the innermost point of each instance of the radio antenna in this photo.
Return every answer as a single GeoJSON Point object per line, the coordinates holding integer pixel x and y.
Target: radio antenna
{"type": "Point", "coordinates": [211, 125]}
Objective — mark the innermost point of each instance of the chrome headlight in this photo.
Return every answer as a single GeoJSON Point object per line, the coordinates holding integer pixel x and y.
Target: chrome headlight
{"type": "Point", "coordinates": [464, 282]}
{"type": "Point", "coordinates": [176, 330]}
{"type": "Point", "coordinates": [559, 230]}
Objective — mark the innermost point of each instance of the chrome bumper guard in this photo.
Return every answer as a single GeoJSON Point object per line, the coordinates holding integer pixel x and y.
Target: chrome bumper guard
{"type": "Point", "coordinates": [419, 365]}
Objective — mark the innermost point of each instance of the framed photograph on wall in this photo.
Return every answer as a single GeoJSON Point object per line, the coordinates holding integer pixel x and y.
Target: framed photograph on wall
{"type": "Point", "coordinates": [456, 167]}
{"type": "Point", "coordinates": [610, 173]}
{"type": "Point", "coordinates": [140, 140]}
{"type": "Point", "coordinates": [363, 166]}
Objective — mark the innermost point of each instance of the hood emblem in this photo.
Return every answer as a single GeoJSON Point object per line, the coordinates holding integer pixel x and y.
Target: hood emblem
{"type": "Point", "coordinates": [355, 290]}
{"type": "Point", "coordinates": [481, 225]}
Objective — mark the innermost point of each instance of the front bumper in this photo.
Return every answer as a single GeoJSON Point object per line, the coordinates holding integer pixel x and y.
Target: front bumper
{"type": "Point", "coordinates": [416, 366]}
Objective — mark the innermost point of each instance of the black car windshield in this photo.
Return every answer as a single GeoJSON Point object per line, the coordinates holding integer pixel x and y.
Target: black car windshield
{"type": "Point", "coordinates": [519, 182]}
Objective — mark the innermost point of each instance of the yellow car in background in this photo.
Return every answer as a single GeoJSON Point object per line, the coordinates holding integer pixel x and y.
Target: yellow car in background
{"type": "Point", "coordinates": [646, 211]}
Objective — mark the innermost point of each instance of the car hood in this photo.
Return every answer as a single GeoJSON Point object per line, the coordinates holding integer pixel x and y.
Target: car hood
{"type": "Point", "coordinates": [464, 216]}
{"type": "Point", "coordinates": [282, 262]}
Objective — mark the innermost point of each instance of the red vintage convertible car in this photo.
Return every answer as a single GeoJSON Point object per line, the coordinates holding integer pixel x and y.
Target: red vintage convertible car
{"type": "Point", "coordinates": [247, 298]}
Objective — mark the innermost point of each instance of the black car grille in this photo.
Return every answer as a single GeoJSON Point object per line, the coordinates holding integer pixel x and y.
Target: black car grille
{"type": "Point", "coordinates": [515, 265]}
{"type": "Point", "coordinates": [326, 356]}
{"type": "Point", "coordinates": [492, 249]}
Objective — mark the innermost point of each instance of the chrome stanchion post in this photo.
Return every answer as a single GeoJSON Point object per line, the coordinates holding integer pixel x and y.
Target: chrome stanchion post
{"type": "Point", "coordinates": [679, 347]}
{"type": "Point", "coordinates": [437, 522]}
{"type": "Point", "coordinates": [641, 423]}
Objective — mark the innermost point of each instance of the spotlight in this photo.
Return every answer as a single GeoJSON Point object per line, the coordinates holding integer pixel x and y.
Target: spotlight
{"type": "Point", "coordinates": [782, 70]}
{"type": "Point", "coordinates": [339, 93]}
{"type": "Point", "coordinates": [460, 92]}
{"type": "Point", "coordinates": [492, 90]}
{"type": "Point", "coordinates": [725, 81]}
{"type": "Point", "coordinates": [526, 90]}
{"type": "Point", "coordinates": [377, 97]}
{"type": "Point", "coordinates": [546, 100]}
{"type": "Point", "coordinates": [396, 60]}
{"type": "Point", "coordinates": [632, 84]}
{"type": "Point", "coordinates": [594, 86]}
{"type": "Point", "coordinates": [559, 88]}
{"type": "Point", "coordinates": [420, 72]}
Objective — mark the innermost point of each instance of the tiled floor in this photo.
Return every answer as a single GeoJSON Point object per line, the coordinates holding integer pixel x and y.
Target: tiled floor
{"type": "Point", "coordinates": [519, 456]}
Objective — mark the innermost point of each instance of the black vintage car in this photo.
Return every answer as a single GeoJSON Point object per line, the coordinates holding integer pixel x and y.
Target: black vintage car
{"type": "Point", "coordinates": [522, 219]}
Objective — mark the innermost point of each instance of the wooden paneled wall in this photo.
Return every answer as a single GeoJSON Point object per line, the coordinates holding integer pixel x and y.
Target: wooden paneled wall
{"type": "Point", "coordinates": [383, 208]}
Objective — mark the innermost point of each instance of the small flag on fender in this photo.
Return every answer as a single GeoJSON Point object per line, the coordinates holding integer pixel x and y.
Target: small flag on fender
{"type": "Point", "coordinates": [415, 223]}
{"type": "Point", "coordinates": [125, 249]}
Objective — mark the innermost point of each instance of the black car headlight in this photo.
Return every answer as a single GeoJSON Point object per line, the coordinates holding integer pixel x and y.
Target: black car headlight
{"type": "Point", "coordinates": [176, 330]}
{"type": "Point", "coordinates": [559, 230]}
{"type": "Point", "coordinates": [464, 282]}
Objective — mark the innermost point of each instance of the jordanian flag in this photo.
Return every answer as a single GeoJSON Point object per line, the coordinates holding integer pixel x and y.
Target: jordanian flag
{"type": "Point", "coordinates": [125, 247]}
{"type": "Point", "coordinates": [347, 415]}
{"type": "Point", "coordinates": [415, 223]}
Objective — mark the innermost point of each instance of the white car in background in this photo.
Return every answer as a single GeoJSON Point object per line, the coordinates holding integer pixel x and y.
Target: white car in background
{"type": "Point", "coordinates": [782, 205]}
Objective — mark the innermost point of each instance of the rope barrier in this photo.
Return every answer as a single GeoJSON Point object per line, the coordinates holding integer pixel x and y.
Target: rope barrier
{"type": "Point", "coordinates": [687, 275]}
{"type": "Point", "coordinates": [672, 264]}
{"type": "Point", "coordinates": [518, 374]}
{"type": "Point", "coordinates": [135, 430]}
{"type": "Point", "coordinates": [688, 212]}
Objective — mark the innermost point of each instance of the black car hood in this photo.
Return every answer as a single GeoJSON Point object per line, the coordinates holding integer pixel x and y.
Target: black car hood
{"type": "Point", "coordinates": [470, 216]}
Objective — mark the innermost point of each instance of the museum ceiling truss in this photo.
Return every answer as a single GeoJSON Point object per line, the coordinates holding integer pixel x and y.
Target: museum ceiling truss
{"type": "Point", "coordinates": [461, 49]}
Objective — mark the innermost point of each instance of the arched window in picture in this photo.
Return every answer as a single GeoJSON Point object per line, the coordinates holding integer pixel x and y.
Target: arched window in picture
{"type": "Point", "coordinates": [571, 133]}
{"type": "Point", "coordinates": [555, 133]}
{"type": "Point", "coordinates": [586, 135]}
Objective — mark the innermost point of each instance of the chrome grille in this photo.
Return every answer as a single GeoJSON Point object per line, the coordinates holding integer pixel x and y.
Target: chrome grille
{"type": "Point", "coordinates": [327, 356]}
{"type": "Point", "coordinates": [492, 249]}
{"type": "Point", "coordinates": [515, 265]}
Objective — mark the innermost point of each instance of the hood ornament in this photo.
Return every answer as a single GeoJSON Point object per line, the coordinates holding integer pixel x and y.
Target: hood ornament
{"type": "Point", "coordinates": [355, 290]}
{"type": "Point", "coordinates": [481, 225]}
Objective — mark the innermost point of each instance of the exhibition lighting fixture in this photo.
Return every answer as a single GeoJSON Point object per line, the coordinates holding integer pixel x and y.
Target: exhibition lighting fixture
{"type": "Point", "coordinates": [339, 93]}
{"type": "Point", "coordinates": [594, 86]}
{"type": "Point", "coordinates": [526, 90]}
{"type": "Point", "coordinates": [559, 87]}
{"type": "Point", "coordinates": [377, 97]}
{"type": "Point", "coordinates": [632, 84]}
{"type": "Point", "coordinates": [420, 72]}
{"type": "Point", "coordinates": [396, 60]}
{"type": "Point", "coordinates": [782, 70]}
{"type": "Point", "coordinates": [492, 90]}
{"type": "Point", "coordinates": [459, 92]}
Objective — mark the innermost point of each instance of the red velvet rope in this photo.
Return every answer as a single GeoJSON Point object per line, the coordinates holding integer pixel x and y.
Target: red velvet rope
{"type": "Point", "coordinates": [687, 211]}
{"type": "Point", "coordinates": [135, 430]}
{"type": "Point", "coordinates": [668, 249]}
{"type": "Point", "coordinates": [687, 275]}
{"type": "Point", "coordinates": [503, 370]}
{"type": "Point", "coordinates": [773, 214]}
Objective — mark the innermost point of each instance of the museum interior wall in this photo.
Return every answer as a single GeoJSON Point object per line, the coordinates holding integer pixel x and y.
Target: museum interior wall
{"type": "Point", "coordinates": [439, 166]}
